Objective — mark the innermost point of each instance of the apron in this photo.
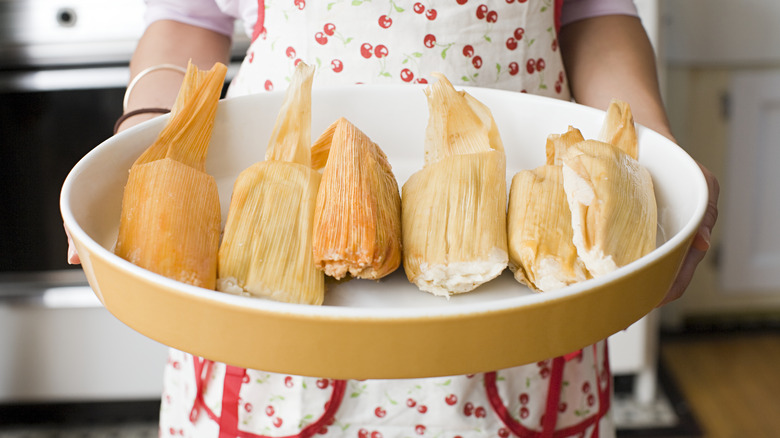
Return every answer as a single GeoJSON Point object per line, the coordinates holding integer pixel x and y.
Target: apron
{"type": "Point", "coordinates": [506, 44]}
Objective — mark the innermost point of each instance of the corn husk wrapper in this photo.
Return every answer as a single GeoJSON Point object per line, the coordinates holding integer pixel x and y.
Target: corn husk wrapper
{"type": "Point", "coordinates": [357, 219]}
{"type": "Point", "coordinates": [612, 204]}
{"type": "Point", "coordinates": [610, 195]}
{"type": "Point", "coordinates": [170, 220]}
{"type": "Point", "coordinates": [542, 254]}
{"type": "Point", "coordinates": [454, 209]}
{"type": "Point", "coordinates": [266, 247]}
{"type": "Point", "coordinates": [619, 129]}
{"type": "Point", "coordinates": [557, 144]}
{"type": "Point", "coordinates": [611, 212]}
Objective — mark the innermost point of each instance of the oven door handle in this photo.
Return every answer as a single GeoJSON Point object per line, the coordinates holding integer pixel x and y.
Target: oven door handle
{"type": "Point", "coordinates": [64, 79]}
{"type": "Point", "coordinates": [84, 78]}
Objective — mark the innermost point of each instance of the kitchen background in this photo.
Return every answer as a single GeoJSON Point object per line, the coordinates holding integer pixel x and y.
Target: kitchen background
{"type": "Point", "coordinates": [62, 74]}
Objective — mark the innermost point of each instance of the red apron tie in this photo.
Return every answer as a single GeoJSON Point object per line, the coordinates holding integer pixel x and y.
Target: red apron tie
{"type": "Point", "coordinates": [260, 23]}
{"type": "Point", "coordinates": [228, 419]}
{"type": "Point", "coordinates": [550, 417]}
{"type": "Point", "coordinates": [200, 382]}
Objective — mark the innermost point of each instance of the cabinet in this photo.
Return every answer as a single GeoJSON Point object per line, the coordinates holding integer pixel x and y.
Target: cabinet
{"type": "Point", "coordinates": [751, 246]}
{"type": "Point", "coordinates": [723, 89]}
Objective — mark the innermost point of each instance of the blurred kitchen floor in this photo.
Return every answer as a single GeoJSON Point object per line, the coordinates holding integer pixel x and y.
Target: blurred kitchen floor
{"type": "Point", "coordinates": [714, 384]}
{"type": "Point", "coordinates": [730, 379]}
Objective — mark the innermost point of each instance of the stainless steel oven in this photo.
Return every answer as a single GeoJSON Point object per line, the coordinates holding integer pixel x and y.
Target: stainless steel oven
{"type": "Point", "coordinates": [63, 70]}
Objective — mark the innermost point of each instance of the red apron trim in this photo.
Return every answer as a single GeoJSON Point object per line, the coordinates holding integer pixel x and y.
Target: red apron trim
{"type": "Point", "coordinates": [259, 28]}
{"type": "Point", "coordinates": [550, 416]}
{"type": "Point", "coordinates": [228, 421]}
{"type": "Point", "coordinates": [199, 403]}
{"type": "Point", "coordinates": [573, 355]}
{"type": "Point", "coordinates": [558, 6]}
{"type": "Point", "coordinates": [553, 396]}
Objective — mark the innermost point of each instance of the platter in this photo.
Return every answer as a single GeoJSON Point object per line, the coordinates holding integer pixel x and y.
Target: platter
{"type": "Point", "coordinates": [386, 328]}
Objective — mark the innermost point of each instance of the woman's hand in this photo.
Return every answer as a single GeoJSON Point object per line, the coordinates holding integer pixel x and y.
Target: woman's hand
{"type": "Point", "coordinates": [701, 242]}
{"type": "Point", "coordinates": [73, 256]}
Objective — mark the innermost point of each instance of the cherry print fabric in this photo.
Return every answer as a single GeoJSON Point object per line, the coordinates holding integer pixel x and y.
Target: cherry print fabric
{"type": "Point", "coordinates": [506, 44]}
{"type": "Point", "coordinates": [505, 403]}
{"type": "Point", "coordinates": [510, 45]}
{"type": "Point", "coordinates": [220, 15]}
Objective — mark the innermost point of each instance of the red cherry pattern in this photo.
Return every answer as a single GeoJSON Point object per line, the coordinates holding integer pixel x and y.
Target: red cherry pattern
{"type": "Point", "coordinates": [430, 41]}
{"type": "Point", "coordinates": [366, 50]}
{"type": "Point", "coordinates": [524, 412]}
{"type": "Point", "coordinates": [329, 29]}
{"type": "Point", "coordinates": [380, 51]}
{"type": "Point", "coordinates": [385, 22]}
{"type": "Point", "coordinates": [482, 11]}
{"type": "Point", "coordinates": [407, 75]}
{"type": "Point", "coordinates": [478, 411]}
{"type": "Point", "coordinates": [530, 66]}
{"type": "Point", "coordinates": [524, 397]}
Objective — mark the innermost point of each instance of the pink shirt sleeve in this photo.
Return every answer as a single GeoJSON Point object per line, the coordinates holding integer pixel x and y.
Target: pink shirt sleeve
{"type": "Point", "coordinates": [201, 13]}
{"type": "Point", "coordinates": [573, 10]}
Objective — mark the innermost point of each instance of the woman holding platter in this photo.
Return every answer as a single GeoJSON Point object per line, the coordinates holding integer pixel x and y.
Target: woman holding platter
{"type": "Point", "coordinates": [590, 51]}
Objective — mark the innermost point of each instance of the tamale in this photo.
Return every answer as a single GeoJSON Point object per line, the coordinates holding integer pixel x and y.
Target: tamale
{"type": "Point", "coordinates": [558, 143]}
{"type": "Point", "coordinates": [618, 128]}
{"type": "Point", "coordinates": [170, 219]}
{"type": "Point", "coordinates": [357, 219]}
{"type": "Point", "coordinates": [266, 248]}
{"type": "Point", "coordinates": [612, 204]}
{"type": "Point", "coordinates": [541, 252]}
{"type": "Point", "coordinates": [454, 208]}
